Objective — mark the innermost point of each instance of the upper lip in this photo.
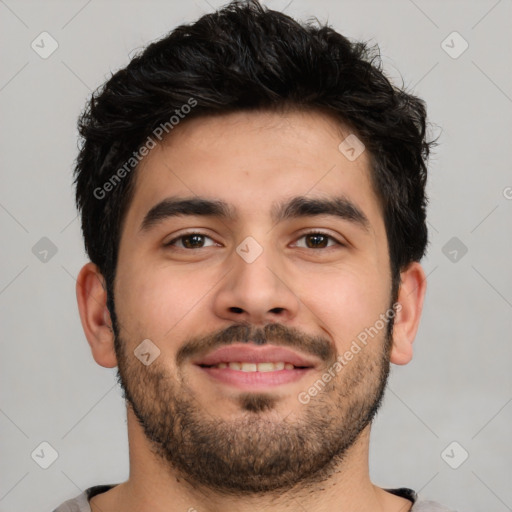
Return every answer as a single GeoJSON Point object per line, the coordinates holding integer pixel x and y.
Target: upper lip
{"type": "Point", "coordinates": [254, 354]}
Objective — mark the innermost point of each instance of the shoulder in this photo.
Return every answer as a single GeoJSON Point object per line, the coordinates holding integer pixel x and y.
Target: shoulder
{"type": "Point", "coordinates": [81, 502]}
{"type": "Point", "coordinates": [430, 506]}
{"type": "Point", "coordinates": [78, 504]}
{"type": "Point", "coordinates": [418, 504]}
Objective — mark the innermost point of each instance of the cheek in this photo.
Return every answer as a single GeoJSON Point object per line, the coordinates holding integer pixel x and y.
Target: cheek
{"type": "Point", "coordinates": [346, 302]}
{"type": "Point", "coordinates": [155, 301]}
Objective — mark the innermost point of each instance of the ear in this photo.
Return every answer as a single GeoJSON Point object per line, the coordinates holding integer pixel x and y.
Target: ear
{"type": "Point", "coordinates": [91, 295]}
{"type": "Point", "coordinates": [412, 290]}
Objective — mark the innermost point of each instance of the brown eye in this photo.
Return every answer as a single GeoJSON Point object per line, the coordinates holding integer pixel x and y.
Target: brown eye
{"type": "Point", "coordinates": [318, 240]}
{"type": "Point", "coordinates": [189, 241]}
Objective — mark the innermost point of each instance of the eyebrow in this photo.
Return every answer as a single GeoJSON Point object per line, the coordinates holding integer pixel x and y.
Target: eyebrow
{"type": "Point", "coordinates": [296, 207]}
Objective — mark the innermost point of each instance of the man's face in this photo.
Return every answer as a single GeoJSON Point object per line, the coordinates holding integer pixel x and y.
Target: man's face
{"type": "Point", "coordinates": [234, 289]}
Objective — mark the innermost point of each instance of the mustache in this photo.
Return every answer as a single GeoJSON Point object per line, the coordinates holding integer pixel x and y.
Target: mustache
{"type": "Point", "coordinates": [273, 333]}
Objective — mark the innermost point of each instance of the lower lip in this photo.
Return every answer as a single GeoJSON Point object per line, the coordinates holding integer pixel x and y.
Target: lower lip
{"type": "Point", "coordinates": [255, 380]}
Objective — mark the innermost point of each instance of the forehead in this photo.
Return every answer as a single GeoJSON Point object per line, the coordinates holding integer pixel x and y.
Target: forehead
{"type": "Point", "coordinates": [252, 161]}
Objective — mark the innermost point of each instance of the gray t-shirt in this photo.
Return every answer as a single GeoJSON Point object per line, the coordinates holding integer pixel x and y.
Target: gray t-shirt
{"type": "Point", "coordinates": [81, 502]}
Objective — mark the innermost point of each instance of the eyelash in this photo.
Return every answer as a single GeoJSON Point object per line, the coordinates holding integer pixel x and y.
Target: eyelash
{"type": "Point", "coordinates": [315, 232]}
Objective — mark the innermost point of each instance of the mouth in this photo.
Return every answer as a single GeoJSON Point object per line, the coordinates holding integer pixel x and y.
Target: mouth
{"type": "Point", "coordinates": [251, 367]}
{"type": "Point", "coordinates": [254, 377]}
{"type": "Point", "coordinates": [264, 367]}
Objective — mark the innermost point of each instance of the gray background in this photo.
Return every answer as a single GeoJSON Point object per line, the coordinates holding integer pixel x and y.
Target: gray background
{"type": "Point", "coordinates": [457, 388]}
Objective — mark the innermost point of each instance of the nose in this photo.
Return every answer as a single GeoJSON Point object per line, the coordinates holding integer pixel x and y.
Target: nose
{"type": "Point", "coordinates": [258, 291]}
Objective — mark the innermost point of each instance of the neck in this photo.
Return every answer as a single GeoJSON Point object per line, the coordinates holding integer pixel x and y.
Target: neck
{"type": "Point", "coordinates": [153, 487]}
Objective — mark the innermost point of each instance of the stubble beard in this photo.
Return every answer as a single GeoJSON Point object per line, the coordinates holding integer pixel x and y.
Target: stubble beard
{"type": "Point", "coordinates": [262, 451]}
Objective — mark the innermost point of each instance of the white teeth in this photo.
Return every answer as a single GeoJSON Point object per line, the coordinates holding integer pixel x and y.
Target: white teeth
{"type": "Point", "coordinates": [249, 367]}
{"type": "Point", "coordinates": [266, 367]}
{"type": "Point", "coordinates": [256, 367]}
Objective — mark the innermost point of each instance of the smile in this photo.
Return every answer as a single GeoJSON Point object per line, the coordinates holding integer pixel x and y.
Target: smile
{"type": "Point", "coordinates": [247, 376]}
{"type": "Point", "coordinates": [254, 367]}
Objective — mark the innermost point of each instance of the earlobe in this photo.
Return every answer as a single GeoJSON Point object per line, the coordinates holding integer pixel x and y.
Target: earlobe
{"type": "Point", "coordinates": [91, 296]}
{"type": "Point", "coordinates": [410, 297]}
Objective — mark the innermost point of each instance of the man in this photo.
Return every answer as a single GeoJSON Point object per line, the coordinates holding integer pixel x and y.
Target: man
{"type": "Point", "coordinates": [252, 193]}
